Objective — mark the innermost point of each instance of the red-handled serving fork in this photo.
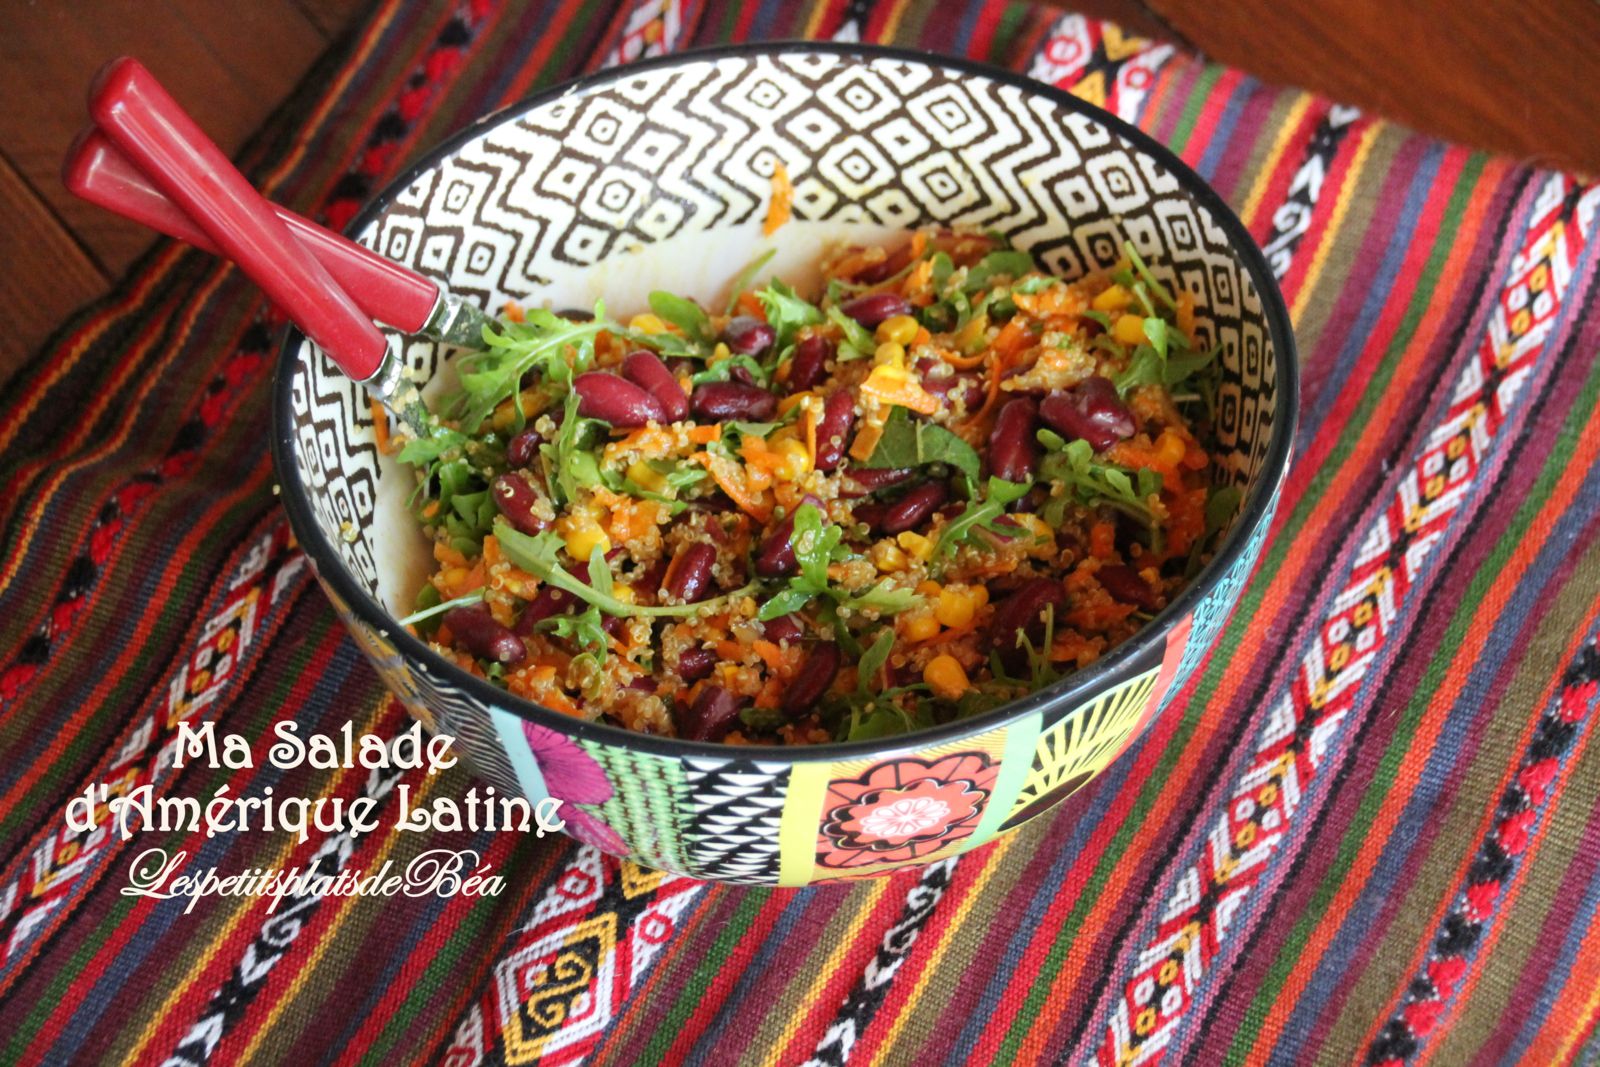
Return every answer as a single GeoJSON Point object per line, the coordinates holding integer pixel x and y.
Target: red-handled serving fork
{"type": "Point", "coordinates": [146, 159]}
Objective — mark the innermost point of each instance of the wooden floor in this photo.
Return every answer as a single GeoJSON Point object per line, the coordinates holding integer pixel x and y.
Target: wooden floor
{"type": "Point", "coordinates": [1515, 78]}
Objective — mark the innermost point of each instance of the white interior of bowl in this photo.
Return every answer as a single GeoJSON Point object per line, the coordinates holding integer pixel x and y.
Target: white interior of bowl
{"type": "Point", "coordinates": [660, 179]}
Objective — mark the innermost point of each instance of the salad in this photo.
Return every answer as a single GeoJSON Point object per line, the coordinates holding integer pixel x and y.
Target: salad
{"type": "Point", "coordinates": [944, 480]}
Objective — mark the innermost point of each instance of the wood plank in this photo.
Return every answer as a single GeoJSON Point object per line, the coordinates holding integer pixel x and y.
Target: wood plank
{"type": "Point", "coordinates": [46, 276]}
{"type": "Point", "coordinates": [332, 17]}
{"type": "Point", "coordinates": [228, 64]}
{"type": "Point", "coordinates": [1509, 78]}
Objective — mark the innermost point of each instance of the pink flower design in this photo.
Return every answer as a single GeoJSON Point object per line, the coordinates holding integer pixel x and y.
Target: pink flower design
{"type": "Point", "coordinates": [573, 777]}
{"type": "Point", "coordinates": [904, 809]}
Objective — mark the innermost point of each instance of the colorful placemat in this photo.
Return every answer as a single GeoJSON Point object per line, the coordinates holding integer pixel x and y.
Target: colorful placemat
{"type": "Point", "coordinates": [1369, 830]}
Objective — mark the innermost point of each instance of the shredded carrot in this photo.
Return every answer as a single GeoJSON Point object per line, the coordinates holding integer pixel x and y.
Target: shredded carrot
{"type": "Point", "coordinates": [729, 477]}
{"type": "Point", "coordinates": [891, 385]}
{"type": "Point", "coordinates": [782, 200]}
{"type": "Point", "coordinates": [791, 400]}
{"type": "Point", "coordinates": [730, 651]}
{"type": "Point", "coordinates": [704, 435]}
{"type": "Point", "coordinates": [1103, 540]}
{"type": "Point", "coordinates": [770, 653]}
{"type": "Point", "coordinates": [380, 426]}
{"type": "Point", "coordinates": [866, 440]}
{"type": "Point", "coordinates": [960, 362]}
{"type": "Point", "coordinates": [752, 306]}
{"type": "Point", "coordinates": [512, 312]}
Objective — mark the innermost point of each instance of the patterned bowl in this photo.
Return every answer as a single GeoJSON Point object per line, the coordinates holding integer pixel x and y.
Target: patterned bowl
{"type": "Point", "coordinates": [658, 174]}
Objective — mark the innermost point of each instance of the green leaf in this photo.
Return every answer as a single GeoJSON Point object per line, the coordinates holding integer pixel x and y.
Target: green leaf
{"type": "Point", "coordinates": [722, 370]}
{"type": "Point", "coordinates": [884, 599]}
{"type": "Point", "coordinates": [541, 343]}
{"type": "Point", "coordinates": [683, 313]}
{"type": "Point", "coordinates": [1004, 263]}
{"type": "Point", "coordinates": [746, 276]}
{"type": "Point", "coordinates": [1156, 330]}
{"type": "Point", "coordinates": [787, 312]}
{"type": "Point", "coordinates": [570, 455]}
{"type": "Point", "coordinates": [1036, 284]}
{"type": "Point", "coordinates": [858, 342]}
{"type": "Point", "coordinates": [429, 605]}
{"type": "Point", "coordinates": [585, 628]}
{"type": "Point", "coordinates": [981, 515]}
{"type": "Point", "coordinates": [1145, 368]}
{"type": "Point", "coordinates": [1221, 505]}
{"type": "Point", "coordinates": [870, 666]}
{"type": "Point", "coordinates": [908, 442]}
{"type": "Point", "coordinates": [420, 451]}
{"type": "Point", "coordinates": [1162, 293]}
{"type": "Point", "coordinates": [783, 602]}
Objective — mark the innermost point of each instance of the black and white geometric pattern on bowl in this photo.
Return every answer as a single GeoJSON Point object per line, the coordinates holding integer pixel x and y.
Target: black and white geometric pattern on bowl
{"type": "Point", "coordinates": [690, 148]}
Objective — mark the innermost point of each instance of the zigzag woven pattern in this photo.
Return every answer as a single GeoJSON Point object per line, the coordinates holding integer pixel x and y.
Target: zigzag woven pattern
{"type": "Point", "coordinates": [1367, 830]}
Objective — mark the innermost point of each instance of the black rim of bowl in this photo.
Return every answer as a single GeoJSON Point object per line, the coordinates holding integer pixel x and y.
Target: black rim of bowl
{"type": "Point", "coordinates": [1101, 674]}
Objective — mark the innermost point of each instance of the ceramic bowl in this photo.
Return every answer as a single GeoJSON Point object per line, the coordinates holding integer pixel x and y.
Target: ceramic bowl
{"type": "Point", "coordinates": [658, 174]}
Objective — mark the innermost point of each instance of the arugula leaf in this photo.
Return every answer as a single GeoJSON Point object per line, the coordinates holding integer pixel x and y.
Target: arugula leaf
{"type": "Point", "coordinates": [421, 451]}
{"type": "Point", "coordinates": [722, 370]}
{"type": "Point", "coordinates": [683, 313]}
{"type": "Point", "coordinates": [570, 456]}
{"type": "Point", "coordinates": [539, 555]}
{"type": "Point", "coordinates": [1091, 482]}
{"type": "Point", "coordinates": [1004, 263]}
{"type": "Point", "coordinates": [429, 605]}
{"type": "Point", "coordinates": [908, 442]}
{"type": "Point", "coordinates": [1161, 292]}
{"type": "Point", "coordinates": [585, 628]}
{"type": "Point", "coordinates": [747, 275]}
{"type": "Point", "coordinates": [787, 311]}
{"type": "Point", "coordinates": [1221, 504]}
{"type": "Point", "coordinates": [858, 342]}
{"type": "Point", "coordinates": [815, 543]}
{"type": "Point", "coordinates": [1156, 330]}
{"type": "Point", "coordinates": [998, 493]}
{"type": "Point", "coordinates": [1036, 284]}
{"type": "Point", "coordinates": [540, 343]}
{"type": "Point", "coordinates": [870, 665]}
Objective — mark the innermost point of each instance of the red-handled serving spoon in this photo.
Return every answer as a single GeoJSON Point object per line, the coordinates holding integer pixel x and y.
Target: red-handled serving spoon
{"type": "Point", "coordinates": [147, 135]}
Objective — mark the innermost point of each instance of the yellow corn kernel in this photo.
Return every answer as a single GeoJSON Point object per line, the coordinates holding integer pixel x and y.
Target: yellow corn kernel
{"type": "Point", "coordinates": [920, 627]}
{"type": "Point", "coordinates": [796, 459]}
{"type": "Point", "coordinates": [946, 677]}
{"type": "Point", "coordinates": [1044, 538]}
{"type": "Point", "coordinates": [645, 476]}
{"type": "Point", "coordinates": [582, 536]}
{"type": "Point", "coordinates": [916, 545]}
{"type": "Point", "coordinates": [972, 334]}
{"type": "Point", "coordinates": [623, 592]}
{"type": "Point", "coordinates": [899, 329]}
{"type": "Point", "coordinates": [890, 353]}
{"type": "Point", "coordinates": [958, 604]}
{"type": "Point", "coordinates": [1171, 447]}
{"type": "Point", "coordinates": [647, 323]}
{"type": "Point", "coordinates": [1129, 330]}
{"type": "Point", "coordinates": [1113, 298]}
{"type": "Point", "coordinates": [929, 587]}
{"type": "Point", "coordinates": [887, 557]}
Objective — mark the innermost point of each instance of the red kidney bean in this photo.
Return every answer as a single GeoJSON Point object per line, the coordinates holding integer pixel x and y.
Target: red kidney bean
{"type": "Point", "coordinates": [886, 268]}
{"type": "Point", "coordinates": [748, 335]}
{"type": "Point", "coordinates": [612, 625]}
{"type": "Point", "coordinates": [644, 682]}
{"type": "Point", "coordinates": [913, 509]}
{"type": "Point", "coordinates": [516, 499]}
{"type": "Point", "coordinates": [719, 401]}
{"type": "Point", "coordinates": [485, 638]}
{"type": "Point", "coordinates": [809, 364]}
{"type": "Point", "coordinates": [1091, 411]}
{"type": "Point", "coordinates": [549, 601]}
{"type": "Point", "coordinates": [870, 514]}
{"type": "Point", "coordinates": [695, 663]}
{"type": "Point", "coordinates": [645, 369]}
{"type": "Point", "coordinates": [833, 429]}
{"type": "Point", "coordinates": [1013, 449]}
{"type": "Point", "coordinates": [873, 308]}
{"type": "Point", "coordinates": [815, 675]}
{"type": "Point", "coordinates": [1125, 584]}
{"type": "Point", "coordinates": [783, 628]}
{"type": "Point", "coordinates": [522, 449]}
{"type": "Point", "coordinates": [1023, 613]}
{"type": "Point", "coordinates": [689, 579]}
{"type": "Point", "coordinates": [860, 481]}
{"type": "Point", "coordinates": [775, 558]}
{"type": "Point", "coordinates": [616, 400]}
{"type": "Point", "coordinates": [710, 717]}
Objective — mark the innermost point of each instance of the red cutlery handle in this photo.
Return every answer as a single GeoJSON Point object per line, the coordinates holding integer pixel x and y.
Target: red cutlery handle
{"type": "Point", "coordinates": [147, 124]}
{"type": "Point", "coordinates": [97, 171]}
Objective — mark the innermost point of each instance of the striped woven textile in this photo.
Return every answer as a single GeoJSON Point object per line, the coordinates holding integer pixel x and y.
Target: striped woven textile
{"type": "Point", "coordinates": [1369, 830]}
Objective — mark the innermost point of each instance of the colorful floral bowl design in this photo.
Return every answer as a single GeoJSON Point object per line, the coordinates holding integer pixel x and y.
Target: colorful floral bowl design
{"type": "Point", "coordinates": [658, 175]}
